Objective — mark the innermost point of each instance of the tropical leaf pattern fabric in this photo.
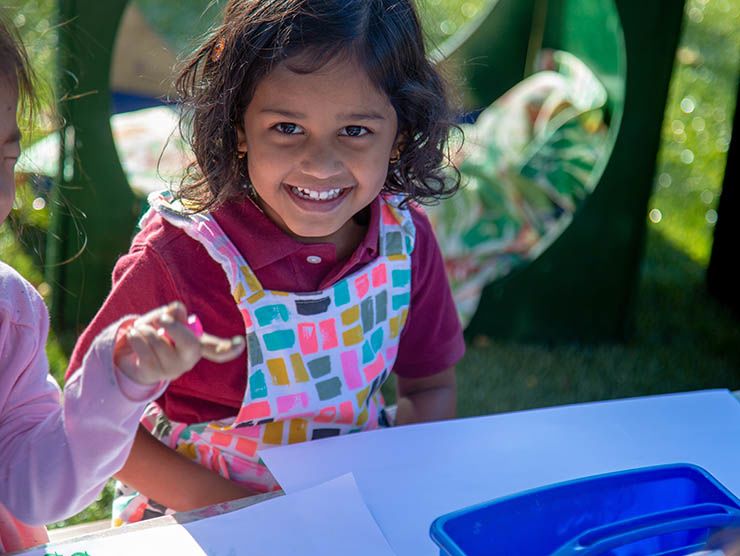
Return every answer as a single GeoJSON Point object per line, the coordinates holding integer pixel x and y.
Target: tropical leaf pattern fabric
{"type": "Point", "coordinates": [527, 164]}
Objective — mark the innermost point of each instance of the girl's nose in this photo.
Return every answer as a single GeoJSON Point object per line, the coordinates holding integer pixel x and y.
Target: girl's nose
{"type": "Point", "coordinates": [321, 161]}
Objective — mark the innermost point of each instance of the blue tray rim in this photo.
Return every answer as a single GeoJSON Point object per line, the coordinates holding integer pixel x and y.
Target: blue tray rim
{"type": "Point", "coordinates": [436, 529]}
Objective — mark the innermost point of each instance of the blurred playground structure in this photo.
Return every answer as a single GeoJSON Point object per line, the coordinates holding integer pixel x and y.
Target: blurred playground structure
{"type": "Point", "coordinates": [554, 246]}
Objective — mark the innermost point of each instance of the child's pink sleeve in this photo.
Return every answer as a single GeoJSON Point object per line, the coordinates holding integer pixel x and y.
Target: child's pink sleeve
{"type": "Point", "coordinates": [54, 460]}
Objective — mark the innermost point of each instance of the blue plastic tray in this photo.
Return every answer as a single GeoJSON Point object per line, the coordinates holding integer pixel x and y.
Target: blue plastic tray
{"type": "Point", "coordinates": [668, 510]}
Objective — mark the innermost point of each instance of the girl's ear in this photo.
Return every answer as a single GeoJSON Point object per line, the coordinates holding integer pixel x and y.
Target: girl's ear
{"type": "Point", "coordinates": [398, 146]}
{"type": "Point", "coordinates": [241, 142]}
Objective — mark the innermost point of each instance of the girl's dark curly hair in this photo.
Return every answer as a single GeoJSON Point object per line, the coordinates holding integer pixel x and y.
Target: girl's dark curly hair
{"type": "Point", "coordinates": [14, 64]}
{"type": "Point", "coordinates": [384, 36]}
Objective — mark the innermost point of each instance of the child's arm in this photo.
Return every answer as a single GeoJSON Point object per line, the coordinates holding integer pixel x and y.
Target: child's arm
{"type": "Point", "coordinates": [152, 467]}
{"type": "Point", "coordinates": [54, 460]}
{"type": "Point", "coordinates": [160, 472]}
{"type": "Point", "coordinates": [431, 341]}
{"type": "Point", "coordinates": [431, 398]}
{"type": "Point", "coordinates": [172, 479]}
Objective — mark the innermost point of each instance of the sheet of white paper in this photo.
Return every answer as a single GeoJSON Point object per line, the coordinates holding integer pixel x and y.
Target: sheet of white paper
{"type": "Point", "coordinates": [330, 518]}
{"type": "Point", "coordinates": [410, 475]}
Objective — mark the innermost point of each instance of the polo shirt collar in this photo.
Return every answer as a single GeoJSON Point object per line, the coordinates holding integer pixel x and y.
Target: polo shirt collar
{"type": "Point", "coordinates": [265, 243]}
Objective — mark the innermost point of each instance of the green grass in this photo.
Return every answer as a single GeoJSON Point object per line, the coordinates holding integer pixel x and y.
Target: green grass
{"type": "Point", "coordinates": [683, 340]}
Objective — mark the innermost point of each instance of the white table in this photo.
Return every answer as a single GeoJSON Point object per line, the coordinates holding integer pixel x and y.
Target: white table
{"type": "Point", "coordinates": [361, 474]}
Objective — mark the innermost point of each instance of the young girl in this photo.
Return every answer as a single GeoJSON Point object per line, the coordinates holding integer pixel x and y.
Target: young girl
{"type": "Point", "coordinates": [314, 123]}
{"type": "Point", "coordinates": [54, 460]}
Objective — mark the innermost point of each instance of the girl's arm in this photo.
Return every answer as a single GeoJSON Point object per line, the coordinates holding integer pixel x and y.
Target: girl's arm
{"type": "Point", "coordinates": [153, 468]}
{"type": "Point", "coordinates": [54, 460]}
{"type": "Point", "coordinates": [160, 472]}
{"type": "Point", "coordinates": [431, 398]}
{"type": "Point", "coordinates": [173, 480]}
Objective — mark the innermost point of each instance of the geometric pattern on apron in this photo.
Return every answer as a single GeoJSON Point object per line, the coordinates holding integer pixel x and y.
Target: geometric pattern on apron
{"type": "Point", "coordinates": [316, 361]}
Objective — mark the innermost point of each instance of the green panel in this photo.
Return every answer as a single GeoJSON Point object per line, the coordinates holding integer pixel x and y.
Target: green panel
{"type": "Point", "coordinates": [591, 31]}
{"type": "Point", "coordinates": [490, 53]}
{"type": "Point", "coordinates": [93, 210]}
{"type": "Point", "coordinates": [582, 288]}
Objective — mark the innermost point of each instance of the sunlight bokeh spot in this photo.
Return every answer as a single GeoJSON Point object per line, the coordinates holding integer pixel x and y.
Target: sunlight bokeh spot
{"type": "Point", "coordinates": [696, 15]}
{"type": "Point", "coordinates": [698, 124]}
{"type": "Point", "coordinates": [688, 105]}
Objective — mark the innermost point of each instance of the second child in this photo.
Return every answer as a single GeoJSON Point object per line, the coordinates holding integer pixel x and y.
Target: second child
{"type": "Point", "coordinates": [55, 458]}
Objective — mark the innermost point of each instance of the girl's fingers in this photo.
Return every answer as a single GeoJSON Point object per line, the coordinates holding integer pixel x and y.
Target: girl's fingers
{"type": "Point", "coordinates": [185, 342]}
{"type": "Point", "coordinates": [166, 347]}
{"type": "Point", "coordinates": [174, 312]}
{"type": "Point", "coordinates": [159, 357]}
{"type": "Point", "coordinates": [159, 354]}
{"type": "Point", "coordinates": [175, 344]}
{"type": "Point", "coordinates": [177, 348]}
{"type": "Point", "coordinates": [220, 350]}
{"type": "Point", "coordinates": [177, 311]}
{"type": "Point", "coordinates": [140, 341]}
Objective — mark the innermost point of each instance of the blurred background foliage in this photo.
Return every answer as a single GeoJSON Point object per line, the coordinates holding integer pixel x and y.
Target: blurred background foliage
{"type": "Point", "coordinates": [192, 19]}
{"type": "Point", "coordinates": [683, 339]}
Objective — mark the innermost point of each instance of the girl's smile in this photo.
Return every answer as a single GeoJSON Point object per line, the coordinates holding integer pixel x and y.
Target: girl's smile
{"type": "Point", "coordinates": [320, 200]}
{"type": "Point", "coordinates": [318, 146]}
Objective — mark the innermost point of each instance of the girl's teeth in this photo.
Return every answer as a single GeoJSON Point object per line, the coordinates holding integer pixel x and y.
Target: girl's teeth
{"type": "Point", "coordinates": [316, 195]}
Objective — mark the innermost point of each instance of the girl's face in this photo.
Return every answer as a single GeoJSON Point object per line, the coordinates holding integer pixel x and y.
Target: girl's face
{"type": "Point", "coordinates": [10, 147]}
{"type": "Point", "coordinates": [318, 147]}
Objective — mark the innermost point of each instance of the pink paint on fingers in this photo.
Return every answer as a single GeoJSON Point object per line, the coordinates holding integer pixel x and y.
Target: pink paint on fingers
{"type": "Point", "coordinates": [195, 326]}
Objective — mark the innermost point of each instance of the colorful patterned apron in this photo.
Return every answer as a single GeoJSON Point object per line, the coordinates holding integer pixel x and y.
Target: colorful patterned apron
{"type": "Point", "coordinates": [316, 361]}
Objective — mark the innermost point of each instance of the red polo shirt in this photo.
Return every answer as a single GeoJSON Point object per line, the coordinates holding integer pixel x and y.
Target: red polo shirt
{"type": "Point", "coordinates": [164, 264]}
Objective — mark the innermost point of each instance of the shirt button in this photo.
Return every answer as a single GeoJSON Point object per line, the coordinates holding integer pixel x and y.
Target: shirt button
{"type": "Point", "coordinates": [313, 259]}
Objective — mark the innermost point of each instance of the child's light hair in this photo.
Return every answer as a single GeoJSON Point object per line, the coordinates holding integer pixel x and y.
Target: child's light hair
{"type": "Point", "coordinates": [383, 36]}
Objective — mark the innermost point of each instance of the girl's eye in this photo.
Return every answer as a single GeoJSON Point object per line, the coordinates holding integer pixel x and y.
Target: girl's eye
{"type": "Point", "coordinates": [288, 128]}
{"type": "Point", "coordinates": [355, 131]}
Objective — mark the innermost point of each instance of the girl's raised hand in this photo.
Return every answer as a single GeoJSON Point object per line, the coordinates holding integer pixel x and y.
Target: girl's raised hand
{"type": "Point", "coordinates": [160, 346]}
